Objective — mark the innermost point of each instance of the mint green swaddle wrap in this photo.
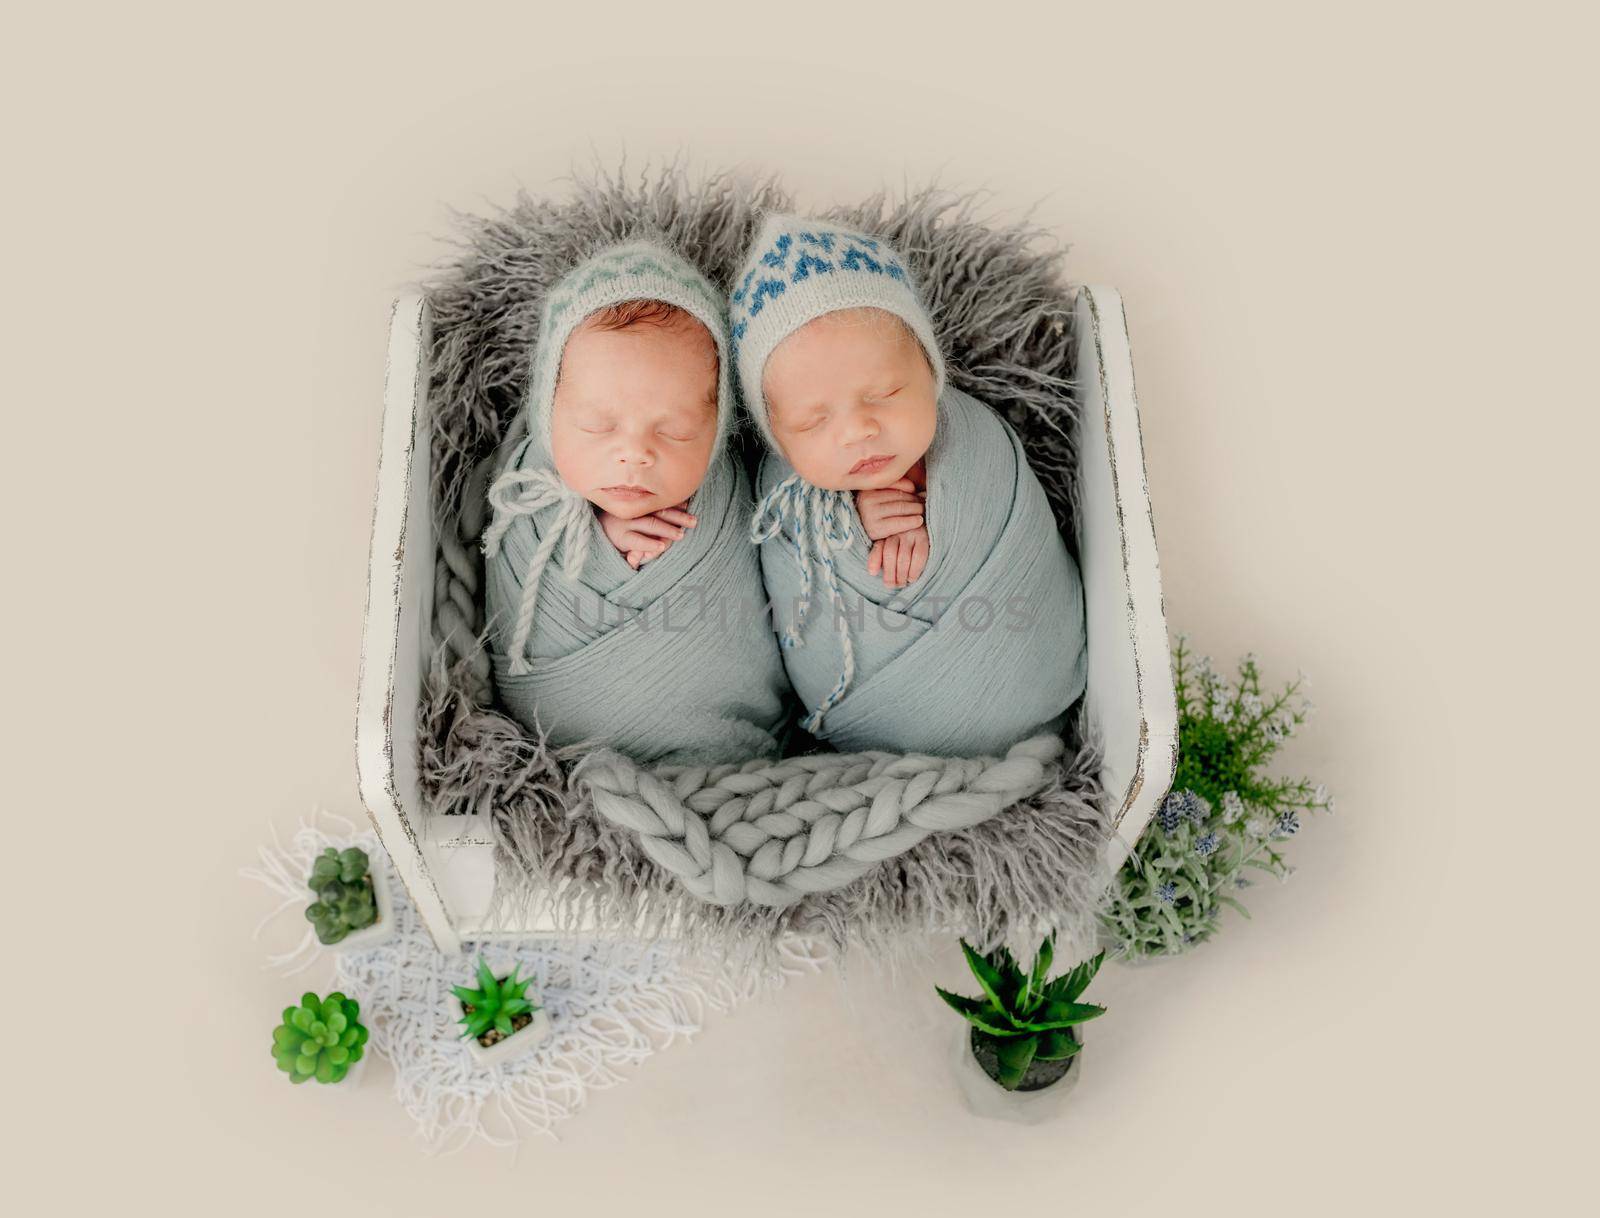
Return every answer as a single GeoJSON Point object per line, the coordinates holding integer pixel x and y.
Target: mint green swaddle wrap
{"type": "Point", "coordinates": [986, 647]}
{"type": "Point", "coordinates": [673, 662]}
{"type": "Point", "coordinates": [670, 663]}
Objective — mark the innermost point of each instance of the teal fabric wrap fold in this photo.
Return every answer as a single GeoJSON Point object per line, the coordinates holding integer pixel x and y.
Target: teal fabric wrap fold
{"type": "Point", "coordinates": [671, 663]}
{"type": "Point", "coordinates": [985, 648]}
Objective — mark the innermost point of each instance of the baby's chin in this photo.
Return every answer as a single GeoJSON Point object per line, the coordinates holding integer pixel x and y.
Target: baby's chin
{"type": "Point", "coordinates": [631, 507]}
{"type": "Point", "coordinates": [876, 480]}
{"type": "Point", "coordinates": [627, 507]}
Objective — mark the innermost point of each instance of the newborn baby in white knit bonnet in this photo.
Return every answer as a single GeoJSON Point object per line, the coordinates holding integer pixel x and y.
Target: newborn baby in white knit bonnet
{"type": "Point", "coordinates": [624, 485]}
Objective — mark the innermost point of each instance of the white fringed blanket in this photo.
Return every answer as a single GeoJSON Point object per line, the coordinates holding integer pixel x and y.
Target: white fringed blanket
{"type": "Point", "coordinates": [612, 1004]}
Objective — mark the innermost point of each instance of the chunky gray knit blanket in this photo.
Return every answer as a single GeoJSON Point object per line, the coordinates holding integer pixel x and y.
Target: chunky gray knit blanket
{"type": "Point", "coordinates": [867, 848]}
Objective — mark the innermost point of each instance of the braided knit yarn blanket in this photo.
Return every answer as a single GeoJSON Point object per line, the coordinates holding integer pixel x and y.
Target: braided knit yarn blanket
{"type": "Point", "coordinates": [774, 833]}
{"type": "Point", "coordinates": [866, 849]}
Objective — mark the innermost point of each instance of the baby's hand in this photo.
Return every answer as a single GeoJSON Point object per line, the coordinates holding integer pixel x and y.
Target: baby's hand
{"type": "Point", "coordinates": [886, 511]}
{"type": "Point", "coordinates": [647, 537]}
{"type": "Point", "coordinates": [901, 558]}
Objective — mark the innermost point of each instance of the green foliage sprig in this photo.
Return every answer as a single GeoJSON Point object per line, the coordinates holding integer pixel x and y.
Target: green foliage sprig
{"type": "Point", "coordinates": [321, 1038]}
{"type": "Point", "coordinates": [346, 900]}
{"type": "Point", "coordinates": [1225, 815]}
{"type": "Point", "coordinates": [1022, 1016]}
{"type": "Point", "coordinates": [495, 1003]}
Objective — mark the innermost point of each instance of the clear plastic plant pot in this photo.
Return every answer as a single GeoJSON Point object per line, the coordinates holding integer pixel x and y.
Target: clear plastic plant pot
{"type": "Point", "coordinates": [986, 1098]}
{"type": "Point", "coordinates": [524, 1040]}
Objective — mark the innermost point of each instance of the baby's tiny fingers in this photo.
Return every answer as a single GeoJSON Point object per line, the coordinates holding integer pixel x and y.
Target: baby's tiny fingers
{"type": "Point", "coordinates": [891, 560]}
{"type": "Point", "coordinates": [649, 526]}
{"type": "Point", "coordinates": [901, 524]}
{"type": "Point", "coordinates": [919, 555]}
{"type": "Point", "coordinates": [900, 511]}
{"type": "Point", "coordinates": [678, 516]}
{"type": "Point", "coordinates": [888, 499]}
{"type": "Point", "coordinates": [875, 558]}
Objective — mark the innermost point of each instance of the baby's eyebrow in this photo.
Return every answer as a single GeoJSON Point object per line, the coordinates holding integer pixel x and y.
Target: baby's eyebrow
{"type": "Point", "coordinates": [802, 415]}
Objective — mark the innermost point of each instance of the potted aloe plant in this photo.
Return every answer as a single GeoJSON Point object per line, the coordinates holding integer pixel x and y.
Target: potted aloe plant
{"type": "Point", "coordinates": [499, 1020]}
{"type": "Point", "coordinates": [352, 909]}
{"type": "Point", "coordinates": [322, 1039]}
{"type": "Point", "coordinates": [1017, 1055]}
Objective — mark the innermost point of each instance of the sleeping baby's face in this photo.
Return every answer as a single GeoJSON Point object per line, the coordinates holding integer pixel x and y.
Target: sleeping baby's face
{"type": "Point", "coordinates": [634, 417]}
{"type": "Point", "coordinates": [850, 397]}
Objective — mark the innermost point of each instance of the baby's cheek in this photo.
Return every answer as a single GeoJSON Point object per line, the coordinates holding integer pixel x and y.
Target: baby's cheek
{"type": "Point", "coordinates": [811, 465]}
{"type": "Point", "coordinates": [577, 461]}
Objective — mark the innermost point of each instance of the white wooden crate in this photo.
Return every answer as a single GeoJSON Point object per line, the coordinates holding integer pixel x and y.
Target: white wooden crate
{"type": "Point", "coordinates": [446, 862]}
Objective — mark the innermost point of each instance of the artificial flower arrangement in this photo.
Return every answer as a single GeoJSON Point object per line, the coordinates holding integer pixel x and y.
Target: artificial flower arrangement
{"type": "Point", "coordinates": [1224, 817]}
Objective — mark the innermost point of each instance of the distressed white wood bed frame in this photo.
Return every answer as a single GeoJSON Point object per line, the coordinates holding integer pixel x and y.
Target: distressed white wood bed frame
{"type": "Point", "coordinates": [446, 863]}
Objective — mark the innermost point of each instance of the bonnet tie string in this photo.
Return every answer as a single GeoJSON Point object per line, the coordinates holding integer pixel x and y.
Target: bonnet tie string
{"type": "Point", "coordinates": [822, 523]}
{"type": "Point", "coordinates": [525, 492]}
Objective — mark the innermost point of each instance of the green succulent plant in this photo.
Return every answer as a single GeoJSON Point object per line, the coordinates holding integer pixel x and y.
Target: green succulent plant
{"type": "Point", "coordinates": [495, 1003]}
{"type": "Point", "coordinates": [321, 1038]}
{"type": "Point", "coordinates": [346, 899]}
{"type": "Point", "coordinates": [1023, 1017]}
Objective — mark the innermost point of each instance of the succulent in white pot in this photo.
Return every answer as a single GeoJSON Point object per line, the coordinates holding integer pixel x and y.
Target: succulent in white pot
{"type": "Point", "coordinates": [499, 1020]}
{"type": "Point", "coordinates": [1017, 1055]}
{"type": "Point", "coordinates": [353, 909]}
{"type": "Point", "coordinates": [321, 1039]}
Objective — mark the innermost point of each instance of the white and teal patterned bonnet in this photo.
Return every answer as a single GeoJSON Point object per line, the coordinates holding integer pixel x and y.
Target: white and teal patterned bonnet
{"type": "Point", "coordinates": [639, 269]}
{"type": "Point", "coordinates": [796, 271]}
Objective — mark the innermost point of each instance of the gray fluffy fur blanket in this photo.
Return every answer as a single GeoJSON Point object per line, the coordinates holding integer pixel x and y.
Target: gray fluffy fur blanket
{"type": "Point", "coordinates": [1004, 319]}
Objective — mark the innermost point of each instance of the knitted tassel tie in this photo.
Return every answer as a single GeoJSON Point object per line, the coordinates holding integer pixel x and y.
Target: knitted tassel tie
{"type": "Point", "coordinates": [822, 523]}
{"type": "Point", "coordinates": [525, 492]}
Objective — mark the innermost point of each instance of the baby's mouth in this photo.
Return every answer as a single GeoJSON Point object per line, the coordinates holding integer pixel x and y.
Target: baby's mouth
{"type": "Point", "coordinates": [628, 490]}
{"type": "Point", "coordinates": [871, 465]}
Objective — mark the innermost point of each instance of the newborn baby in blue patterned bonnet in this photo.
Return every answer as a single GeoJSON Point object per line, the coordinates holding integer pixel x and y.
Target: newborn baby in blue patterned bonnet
{"type": "Point", "coordinates": [923, 597]}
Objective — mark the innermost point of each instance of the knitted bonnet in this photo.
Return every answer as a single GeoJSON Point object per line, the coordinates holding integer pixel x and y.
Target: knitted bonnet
{"type": "Point", "coordinates": [799, 269]}
{"type": "Point", "coordinates": [639, 269]}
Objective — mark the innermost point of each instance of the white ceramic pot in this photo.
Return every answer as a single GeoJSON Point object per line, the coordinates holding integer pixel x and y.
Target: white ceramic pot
{"type": "Point", "coordinates": [986, 1098]}
{"type": "Point", "coordinates": [523, 1040]}
{"type": "Point", "coordinates": [381, 931]}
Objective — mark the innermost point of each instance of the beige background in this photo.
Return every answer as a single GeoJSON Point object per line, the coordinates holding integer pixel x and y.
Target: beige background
{"type": "Point", "coordinates": [1357, 248]}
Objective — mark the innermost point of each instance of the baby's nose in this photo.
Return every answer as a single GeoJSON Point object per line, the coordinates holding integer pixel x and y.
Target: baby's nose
{"type": "Point", "coordinates": [864, 428]}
